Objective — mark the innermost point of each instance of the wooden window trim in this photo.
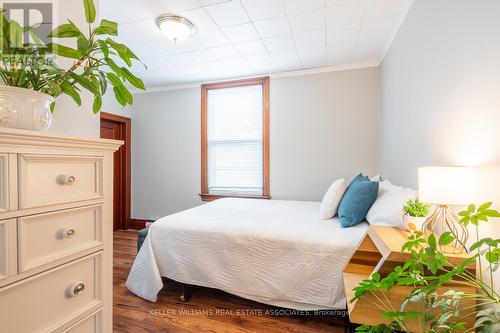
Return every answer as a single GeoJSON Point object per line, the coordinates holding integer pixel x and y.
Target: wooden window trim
{"type": "Point", "coordinates": [264, 82]}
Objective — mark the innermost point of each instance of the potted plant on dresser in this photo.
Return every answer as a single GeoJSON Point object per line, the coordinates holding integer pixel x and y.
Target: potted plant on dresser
{"type": "Point", "coordinates": [415, 214]}
{"type": "Point", "coordinates": [33, 80]}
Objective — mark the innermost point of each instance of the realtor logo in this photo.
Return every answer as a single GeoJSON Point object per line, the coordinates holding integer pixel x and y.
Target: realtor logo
{"type": "Point", "coordinates": [39, 16]}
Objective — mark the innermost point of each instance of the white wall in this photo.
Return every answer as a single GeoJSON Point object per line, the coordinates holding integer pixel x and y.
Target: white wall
{"type": "Point", "coordinates": [68, 118]}
{"type": "Point", "coordinates": [323, 127]}
{"type": "Point", "coordinates": [110, 105]}
{"type": "Point", "coordinates": [441, 94]}
{"type": "Point", "coordinates": [166, 149]}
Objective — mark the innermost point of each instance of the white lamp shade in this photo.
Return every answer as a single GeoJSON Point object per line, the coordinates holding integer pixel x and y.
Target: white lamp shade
{"type": "Point", "coordinates": [445, 185]}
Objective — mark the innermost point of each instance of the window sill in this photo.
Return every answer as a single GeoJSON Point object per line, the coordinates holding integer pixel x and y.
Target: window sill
{"type": "Point", "coordinates": [211, 197]}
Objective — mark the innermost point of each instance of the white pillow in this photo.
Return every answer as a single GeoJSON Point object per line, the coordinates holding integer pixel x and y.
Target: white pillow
{"type": "Point", "coordinates": [331, 200]}
{"type": "Point", "coordinates": [388, 208]}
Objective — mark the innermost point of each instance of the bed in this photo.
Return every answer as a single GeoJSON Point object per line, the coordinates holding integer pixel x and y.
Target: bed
{"type": "Point", "coordinates": [270, 251]}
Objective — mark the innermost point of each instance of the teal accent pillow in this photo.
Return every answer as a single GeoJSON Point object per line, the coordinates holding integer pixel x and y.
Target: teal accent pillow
{"type": "Point", "coordinates": [359, 178]}
{"type": "Point", "coordinates": [359, 197]}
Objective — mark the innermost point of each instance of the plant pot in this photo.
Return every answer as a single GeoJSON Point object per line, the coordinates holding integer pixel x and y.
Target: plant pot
{"type": "Point", "coordinates": [25, 108]}
{"type": "Point", "coordinates": [413, 223]}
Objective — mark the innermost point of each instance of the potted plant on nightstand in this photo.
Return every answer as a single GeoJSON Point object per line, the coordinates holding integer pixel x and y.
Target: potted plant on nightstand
{"type": "Point", "coordinates": [33, 80]}
{"type": "Point", "coordinates": [415, 214]}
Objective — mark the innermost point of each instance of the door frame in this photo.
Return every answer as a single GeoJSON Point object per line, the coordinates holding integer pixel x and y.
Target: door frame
{"type": "Point", "coordinates": [126, 128]}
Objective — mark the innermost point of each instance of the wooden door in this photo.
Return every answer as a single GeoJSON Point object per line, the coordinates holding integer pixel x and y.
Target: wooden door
{"type": "Point", "coordinates": [118, 128]}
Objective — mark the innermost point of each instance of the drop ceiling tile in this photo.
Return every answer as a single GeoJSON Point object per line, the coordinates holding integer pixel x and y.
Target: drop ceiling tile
{"type": "Point", "coordinates": [299, 6]}
{"type": "Point", "coordinates": [163, 46]}
{"type": "Point", "coordinates": [228, 13]}
{"type": "Point", "coordinates": [384, 9]}
{"type": "Point", "coordinates": [263, 9]}
{"type": "Point", "coordinates": [340, 53]}
{"type": "Point", "coordinates": [281, 58]}
{"type": "Point", "coordinates": [241, 33]}
{"type": "Point", "coordinates": [140, 31]}
{"type": "Point", "coordinates": [311, 52]}
{"type": "Point", "coordinates": [338, 2]}
{"type": "Point", "coordinates": [313, 62]}
{"type": "Point", "coordinates": [273, 27]}
{"type": "Point", "coordinates": [250, 48]}
{"type": "Point", "coordinates": [181, 59]}
{"type": "Point", "coordinates": [279, 43]}
{"type": "Point", "coordinates": [312, 56]}
{"type": "Point", "coordinates": [201, 20]}
{"type": "Point", "coordinates": [224, 52]}
{"type": "Point", "coordinates": [230, 68]}
{"type": "Point", "coordinates": [312, 37]}
{"type": "Point", "coordinates": [259, 60]}
{"type": "Point", "coordinates": [133, 11]}
{"type": "Point", "coordinates": [349, 13]}
{"type": "Point", "coordinates": [211, 2]}
{"type": "Point", "coordinates": [312, 20]}
{"type": "Point", "coordinates": [342, 33]}
{"type": "Point", "coordinates": [176, 6]}
{"type": "Point", "coordinates": [213, 38]}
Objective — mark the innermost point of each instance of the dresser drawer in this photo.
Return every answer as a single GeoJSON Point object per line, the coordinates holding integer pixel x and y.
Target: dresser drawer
{"type": "Point", "coordinates": [53, 179]}
{"type": "Point", "coordinates": [91, 324]}
{"type": "Point", "coordinates": [8, 248]}
{"type": "Point", "coordinates": [48, 300]}
{"type": "Point", "coordinates": [48, 237]}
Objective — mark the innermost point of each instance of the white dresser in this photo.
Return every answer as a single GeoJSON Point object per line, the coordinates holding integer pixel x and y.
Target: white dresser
{"type": "Point", "coordinates": [56, 233]}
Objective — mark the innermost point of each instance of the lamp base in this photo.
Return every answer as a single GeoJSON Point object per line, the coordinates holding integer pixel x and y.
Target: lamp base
{"type": "Point", "coordinates": [444, 220]}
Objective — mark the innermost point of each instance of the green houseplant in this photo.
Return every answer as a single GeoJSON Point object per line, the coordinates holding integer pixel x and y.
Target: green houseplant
{"type": "Point", "coordinates": [30, 69]}
{"type": "Point", "coordinates": [427, 271]}
{"type": "Point", "coordinates": [415, 214]}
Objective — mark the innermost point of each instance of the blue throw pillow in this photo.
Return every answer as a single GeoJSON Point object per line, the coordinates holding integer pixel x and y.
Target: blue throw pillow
{"type": "Point", "coordinates": [359, 178]}
{"type": "Point", "coordinates": [357, 200]}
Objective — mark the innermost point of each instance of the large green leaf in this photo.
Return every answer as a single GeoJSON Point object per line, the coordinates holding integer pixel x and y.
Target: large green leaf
{"type": "Point", "coordinates": [64, 51]}
{"type": "Point", "coordinates": [134, 80]}
{"type": "Point", "coordinates": [122, 51]}
{"type": "Point", "coordinates": [107, 28]}
{"type": "Point", "coordinates": [120, 96]}
{"type": "Point", "coordinates": [83, 45]}
{"type": "Point", "coordinates": [69, 90]}
{"type": "Point", "coordinates": [114, 79]}
{"type": "Point", "coordinates": [97, 104]}
{"type": "Point", "coordinates": [67, 30]}
{"type": "Point", "coordinates": [104, 48]}
{"type": "Point", "coordinates": [114, 67]}
{"type": "Point", "coordinates": [85, 83]}
{"type": "Point", "coordinates": [446, 238]}
{"type": "Point", "coordinates": [90, 11]}
{"type": "Point", "coordinates": [15, 35]}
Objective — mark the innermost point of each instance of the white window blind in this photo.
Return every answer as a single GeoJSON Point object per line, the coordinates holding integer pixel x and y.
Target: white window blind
{"type": "Point", "coordinates": [234, 137]}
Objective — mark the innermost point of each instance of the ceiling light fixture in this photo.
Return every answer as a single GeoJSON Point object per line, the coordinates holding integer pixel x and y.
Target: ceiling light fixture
{"type": "Point", "coordinates": [175, 28]}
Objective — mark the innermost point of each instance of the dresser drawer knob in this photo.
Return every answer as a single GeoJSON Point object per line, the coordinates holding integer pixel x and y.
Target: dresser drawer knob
{"type": "Point", "coordinates": [77, 289]}
{"type": "Point", "coordinates": [69, 180]}
{"type": "Point", "coordinates": [68, 233]}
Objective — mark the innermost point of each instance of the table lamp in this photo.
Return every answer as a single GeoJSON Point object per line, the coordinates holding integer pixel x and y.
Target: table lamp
{"type": "Point", "coordinates": [445, 187]}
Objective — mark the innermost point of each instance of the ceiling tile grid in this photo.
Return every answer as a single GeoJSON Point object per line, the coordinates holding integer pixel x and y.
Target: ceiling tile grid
{"type": "Point", "coordinates": [237, 38]}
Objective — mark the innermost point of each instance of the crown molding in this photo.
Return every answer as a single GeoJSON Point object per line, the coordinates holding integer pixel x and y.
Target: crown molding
{"type": "Point", "coordinates": [307, 71]}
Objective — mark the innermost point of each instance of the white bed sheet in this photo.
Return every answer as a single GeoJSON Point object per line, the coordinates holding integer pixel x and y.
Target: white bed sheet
{"type": "Point", "coordinates": [274, 252]}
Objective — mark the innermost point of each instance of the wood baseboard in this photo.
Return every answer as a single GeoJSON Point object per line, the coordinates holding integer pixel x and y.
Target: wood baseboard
{"type": "Point", "coordinates": [137, 224]}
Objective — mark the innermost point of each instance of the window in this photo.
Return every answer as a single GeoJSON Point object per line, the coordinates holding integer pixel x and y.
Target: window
{"type": "Point", "coordinates": [235, 139]}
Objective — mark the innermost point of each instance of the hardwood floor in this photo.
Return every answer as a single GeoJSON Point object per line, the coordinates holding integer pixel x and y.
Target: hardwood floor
{"type": "Point", "coordinates": [209, 310]}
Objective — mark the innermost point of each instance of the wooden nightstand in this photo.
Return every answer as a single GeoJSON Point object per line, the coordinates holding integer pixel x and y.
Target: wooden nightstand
{"type": "Point", "coordinates": [380, 251]}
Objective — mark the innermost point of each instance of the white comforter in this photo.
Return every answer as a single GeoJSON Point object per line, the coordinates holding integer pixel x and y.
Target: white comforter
{"type": "Point", "coordinates": [275, 252]}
